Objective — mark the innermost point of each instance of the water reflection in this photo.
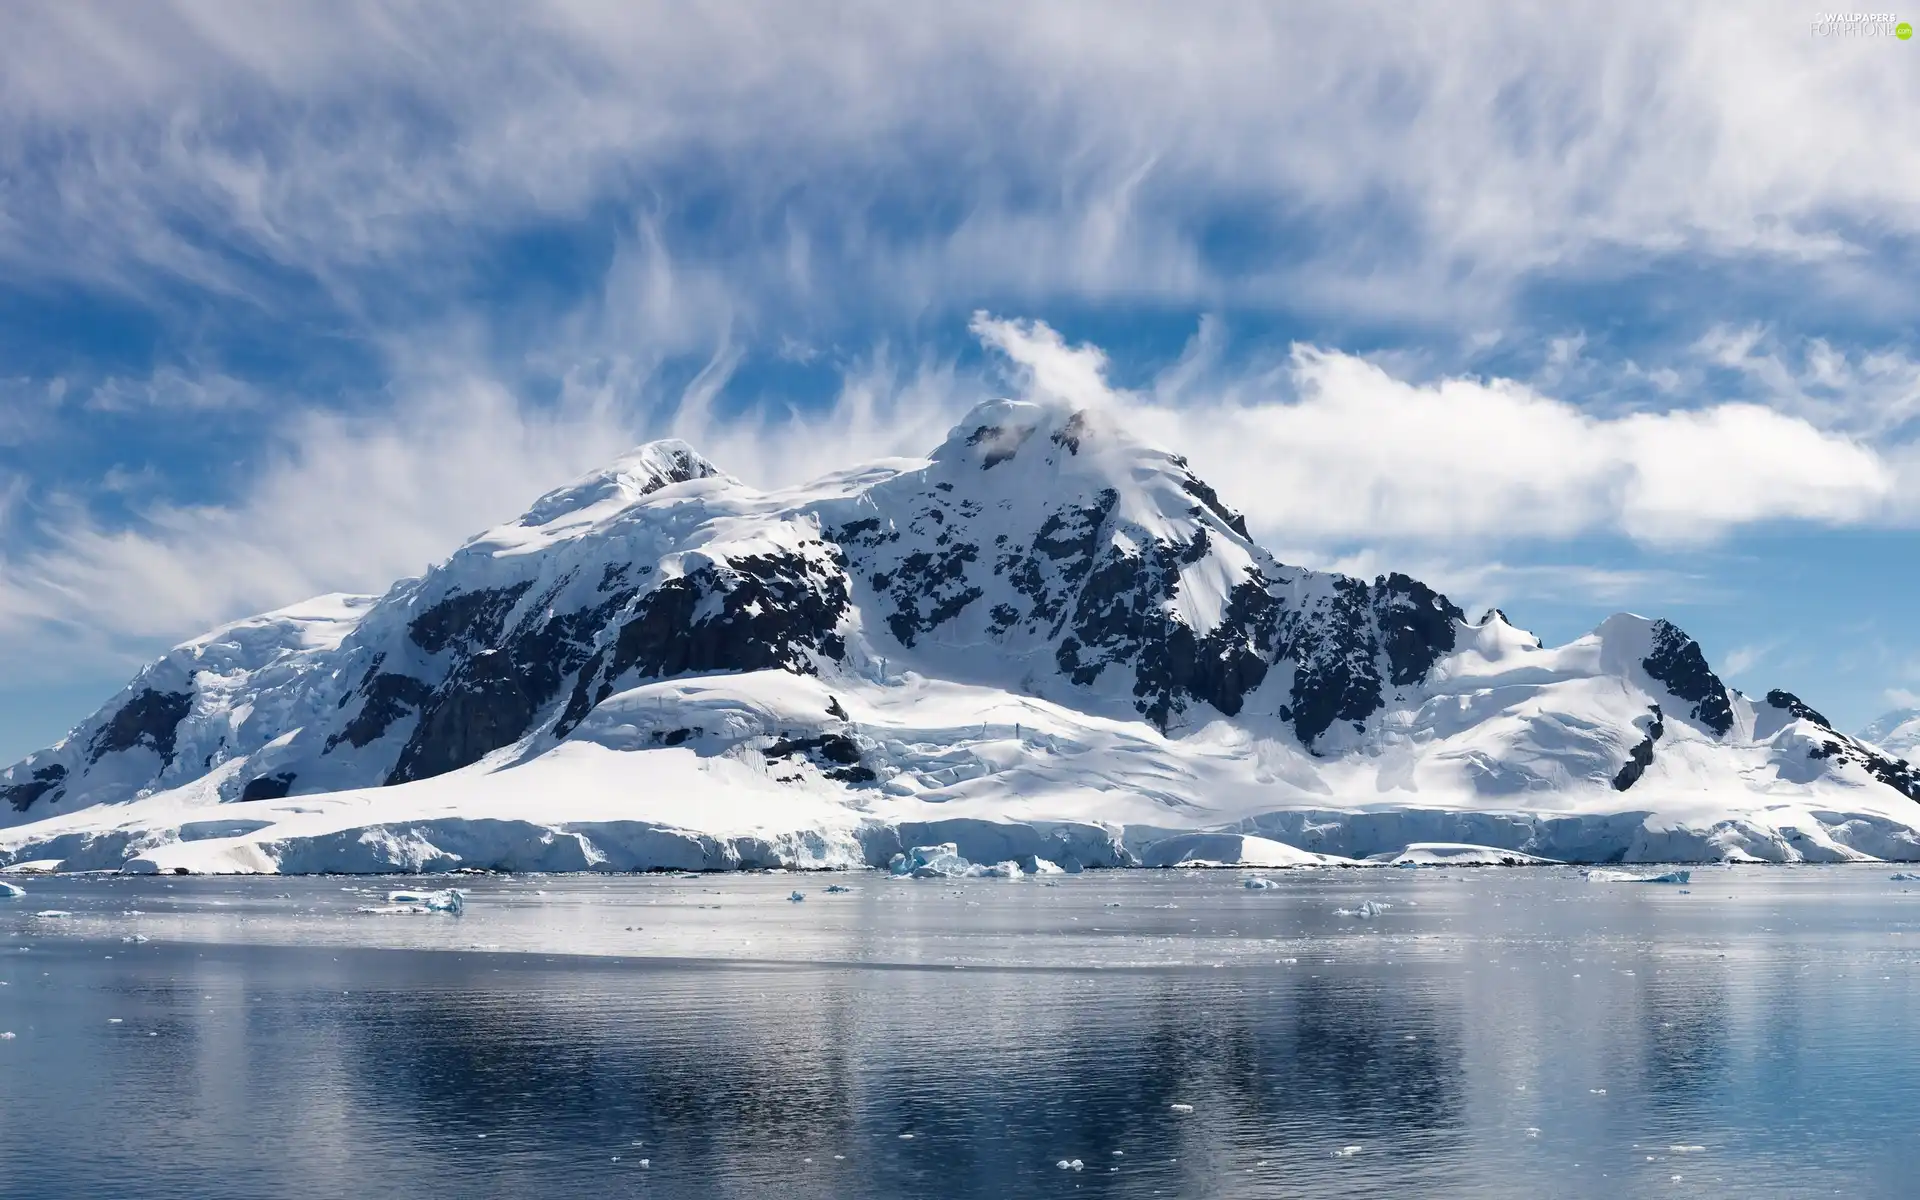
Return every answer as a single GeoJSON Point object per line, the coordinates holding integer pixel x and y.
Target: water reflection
{"type": "Point", "coordinates": [1515, 1034]}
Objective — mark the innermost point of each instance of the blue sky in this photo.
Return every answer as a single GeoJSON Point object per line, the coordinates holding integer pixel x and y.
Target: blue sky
{"type": "Point", "coordinates": [1608, 308]}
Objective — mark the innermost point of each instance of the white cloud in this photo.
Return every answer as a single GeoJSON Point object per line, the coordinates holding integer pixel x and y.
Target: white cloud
{"type": "Point", "coordinates": [1432, 155]}
{"type": "Point", "coordinates": [1741, 659]}
{"type": "Point", "coordinates": [1873, 392]}
{"type": "Point", "coordinates": [1339, 449]}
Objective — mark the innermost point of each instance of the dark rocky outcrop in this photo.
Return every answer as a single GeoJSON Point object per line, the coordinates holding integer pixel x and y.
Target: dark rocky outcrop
{"type": "Point", "coordinates": [1789, 703]}
{"type": "Point", "coordinates": [21, 796]}
{"type": "Point", "coordinates": [467, 621]}
{"type": "Point", "coordinates": [386, 697]}
{"type": "Point", "coordinates": [1896, 773]}
{"type": "Point", "coordinates": [836, 754]}
{"type": "Point", "coordinates": [1417, 626]}
{"type": "Point", "coordinates": [267, 787]}
{"type": "Point", "coordinates": [150, 719]}
{"type": "Point", "coordinates": [1641, 756]}
{"type": "Point", "coordinates": [1677, 663]}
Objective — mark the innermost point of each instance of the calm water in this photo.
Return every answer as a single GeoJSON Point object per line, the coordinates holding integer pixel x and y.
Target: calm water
{"type": "Point", "coordinates": [1493, 1033]}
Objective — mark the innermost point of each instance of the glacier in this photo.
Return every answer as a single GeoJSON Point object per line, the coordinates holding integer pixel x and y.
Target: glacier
{"type": "Point", "coordinates": [1047, 642]}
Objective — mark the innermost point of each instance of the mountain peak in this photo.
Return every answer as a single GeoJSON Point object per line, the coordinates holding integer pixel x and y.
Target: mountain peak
{"type": "Point", "coordinates": [640, 471]}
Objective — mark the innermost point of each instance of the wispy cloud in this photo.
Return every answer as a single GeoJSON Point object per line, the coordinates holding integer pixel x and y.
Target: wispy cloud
{"type": "Point", "coordinates": [1338, 448]}
{"type": "Point", "coordinates": [1429, 157]}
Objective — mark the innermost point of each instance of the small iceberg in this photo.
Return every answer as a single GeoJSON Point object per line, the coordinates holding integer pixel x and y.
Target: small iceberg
{"type": "Point", "coordinates": [834, 889]}
{"type": "Point", "coordinates": [9, 891]}
{"type": "Point", "coordinates": [1603, 876]}
{"type": "Point", "coordinates": [1459, 854]}
{"type": "Point", "coordinates": [944, 861]}
{"type": "Point", "coordinates": [1182, 1109]}
{"type": "Point", "coordinates": [930, 862]}
{"type": "Point", "coordinates": [1257, 884]}
{"type": "Point", "coordinates": [1897, 877]}
{"type": "Point", "coordinates": [797, 897]}
{"type": "Point", "coordinates": [1368, 910]}
{"type": "Point", "coordinates": [398, 904]}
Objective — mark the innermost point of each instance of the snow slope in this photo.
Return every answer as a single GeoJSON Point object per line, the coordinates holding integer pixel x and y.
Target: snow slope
{"type": "Point", "coordinates": [1897, 732]}
{"type": "Point", "coordinates": [1047, 640]}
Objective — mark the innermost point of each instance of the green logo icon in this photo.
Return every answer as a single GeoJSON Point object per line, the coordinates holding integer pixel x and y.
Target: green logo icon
{"type": "Point", "coordinates": [1903, 31]}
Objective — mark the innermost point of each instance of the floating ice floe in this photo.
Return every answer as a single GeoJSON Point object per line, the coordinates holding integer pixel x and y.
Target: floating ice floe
{"type": "Point", "coordinates": [9, 891]}
{"type": "Point", "coordinates": [1599, 875]}
{"type": "Point", "coordinates": [944, 861]}
{"type": "Point", "coordinates": [1367, 911]}
{"type": "Point", "coordinates": [1460, 854]}
{"type": "Point", "coordinates": [1257, 884]}
{"type": "Point", "coordinates": [1070, 1164]}
{"type": "Point", "coordinates": [1346, 1152]}
{"type": "Point", "coordinates": [400, 904]}
{"type": "Point", "coordinates": [1180, 1108]}
{"type": "Point", "coordinates": [53, 913]}
{"type": "Point", "coordinates": [1897, 877]}
{"type": "Point", "coordinates": [834, 889]}
{"type": "Point", "coordinates": [797, 897]}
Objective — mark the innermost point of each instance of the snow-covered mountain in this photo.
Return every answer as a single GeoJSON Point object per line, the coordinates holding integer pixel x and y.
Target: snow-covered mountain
{"type": "Point", "coordinates": [1896, 732]}
{"type": "Point", "coordinates": [1048, 639]}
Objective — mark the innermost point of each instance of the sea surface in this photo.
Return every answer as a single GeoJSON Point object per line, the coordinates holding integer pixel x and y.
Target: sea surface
{"type": "Point", "coordinates": [1485, 1032]}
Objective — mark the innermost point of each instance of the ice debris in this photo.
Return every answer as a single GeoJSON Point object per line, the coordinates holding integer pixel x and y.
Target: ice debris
{"type": "Point", "coordinates": [1598, 875]}
{"type": "Point", "coordinates": [944, 861]}
{"type": "Point", "coordinates": [797, 897]}
{"type": "Point", "coordinates": [835, 889]}
{"type": "Point", "coordinates": [1367, 911]}
{"type": "Point", "coordinates": [1897, 877]}
{"type": "Point", "coordinates": [1257, 884]}
{"type": "Point", "coordinates": [1183, 1109]}
{"type": "Point", "coordinates": [53, 912]}
{"type": "Point", "coordinates": [452, 900]}
{"type": "Point", "coordinates": [10, 890]}
{"type": "Point", "coordinates": [1346, 1152]}
{"type": "Point", "coordinates": [1070, 1164]}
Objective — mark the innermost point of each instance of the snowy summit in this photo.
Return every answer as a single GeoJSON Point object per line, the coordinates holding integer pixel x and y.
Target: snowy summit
{"type": "Point", "coordinates": [1047, 643]}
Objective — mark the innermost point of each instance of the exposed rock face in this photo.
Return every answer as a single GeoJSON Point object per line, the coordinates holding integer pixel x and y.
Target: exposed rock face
{"type": "Point", "coordinates": [1788, 702]}
{"type": "Point", "coordinates": [1641, 756]}
{"type": "Point", "coordinates": [1677, 662]}
{"type": "Point", "coordinates": [149, 720]}
{"type": "Point", "coordinates": [1124, 569]}
{"type": "Point", "coordinates": [268, 787]}
{"type": "Point", "coordinates": [42, 780]}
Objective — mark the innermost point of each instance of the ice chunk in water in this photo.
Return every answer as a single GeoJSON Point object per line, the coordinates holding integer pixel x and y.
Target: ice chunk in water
{"type": "Point", "coordinates": [452, 900]}
{"type": "Point", "coordinates": [930, 862]}
{"type": "Point", "coordinates": [1257, 884]}
{"type": "Point", "coordinates": [1603, 876]}
{"type": "Point", "coordinates": [1346, 1152]}
{"type": "Point", "coordinates": [835, 889]}
{"type": "Point", "coordinates": [1897, 877]}
{"type": "Point", "coordinates": [797, 897]}
{"type": "Point", "coordinates": [1001, 870]}
{"type": "Point", "coordinates": [1070, 1164]}
{"type": "Point", "coordinates": [1368, 910]}
{"type": "Point", "coordinates": [1180, 1108]}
